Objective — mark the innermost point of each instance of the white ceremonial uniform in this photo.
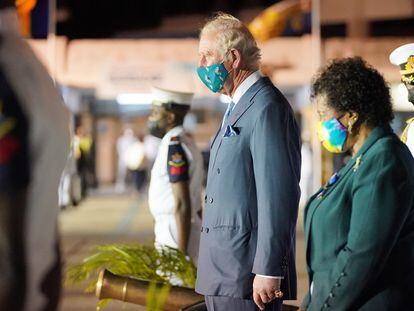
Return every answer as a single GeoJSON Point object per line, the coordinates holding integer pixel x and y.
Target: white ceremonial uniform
{"type": "Point", "coordinates": [410, 138]}
{"type": "Point", "coordinates": [161, 199]}
{"type": "Point", "coordinates": [403, 57]}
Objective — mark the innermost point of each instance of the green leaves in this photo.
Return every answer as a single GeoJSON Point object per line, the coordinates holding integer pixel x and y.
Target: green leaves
{"type": "Point", "coordinates": [158, 264]}
{"type": "Point", "coordinates": [157, 296]}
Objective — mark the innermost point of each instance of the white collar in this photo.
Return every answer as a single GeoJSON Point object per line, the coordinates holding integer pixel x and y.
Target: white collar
{"type": "Point", "coordinates": [245, 85]}
{"type": "Point", "coordinates": [176, 131]}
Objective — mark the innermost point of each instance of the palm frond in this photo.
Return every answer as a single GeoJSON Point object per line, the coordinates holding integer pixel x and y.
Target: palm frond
{"type": "Point", "coordinates": [158, 264]}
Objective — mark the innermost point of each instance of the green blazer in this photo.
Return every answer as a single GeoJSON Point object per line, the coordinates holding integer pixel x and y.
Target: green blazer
{"type": "Point", "coordinates": [359, 231]}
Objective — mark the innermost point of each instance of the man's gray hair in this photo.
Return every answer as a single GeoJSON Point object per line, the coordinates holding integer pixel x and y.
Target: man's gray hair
{"type": "Point", "coordinates": [232, 33]}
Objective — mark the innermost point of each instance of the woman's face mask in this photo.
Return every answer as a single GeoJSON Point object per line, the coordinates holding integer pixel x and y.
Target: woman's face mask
{"type": "Point", "coordinates": [332, 135]}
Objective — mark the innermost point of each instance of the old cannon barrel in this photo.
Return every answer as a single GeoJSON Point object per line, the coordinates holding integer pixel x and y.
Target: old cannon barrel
{"type": "Point", "coordinates": [134, 291]}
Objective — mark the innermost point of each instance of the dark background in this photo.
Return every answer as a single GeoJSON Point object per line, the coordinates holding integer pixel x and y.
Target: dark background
{"type": "Point", "coordinates": [138, 18]}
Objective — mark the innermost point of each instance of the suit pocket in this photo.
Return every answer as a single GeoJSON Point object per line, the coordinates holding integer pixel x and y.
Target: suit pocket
{"type": "Point", "coordinates": [230, 140]}
{"type": "Point", "coordinates": [230, 150]}
{"type": "Point", "coordinates": [231, 251]}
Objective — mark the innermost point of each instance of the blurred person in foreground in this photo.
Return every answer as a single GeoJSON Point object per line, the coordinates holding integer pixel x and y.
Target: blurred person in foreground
{"type": "Point", "coordinates": [359, 227]}
{"type": "Point", "coordinates": [34, 144]}
{"type": "Point", "coordinates": [175, 187]}
{"type": "Point", "coordinates": [403, 57]}
{"type": "Point", "coordinates": [247, 245]}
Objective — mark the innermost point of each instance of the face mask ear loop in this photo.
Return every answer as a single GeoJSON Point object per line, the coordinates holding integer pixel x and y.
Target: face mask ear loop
{"type": "Point", "coordinates": [224, 58]}
{"type": "Point", "coordinates": [339, 119]}
{"type": "Point", "coordinates": [232, 69]}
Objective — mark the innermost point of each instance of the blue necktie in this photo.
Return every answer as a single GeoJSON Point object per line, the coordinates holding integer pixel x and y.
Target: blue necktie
{"type": "Point", "coordinates": [227, 113]}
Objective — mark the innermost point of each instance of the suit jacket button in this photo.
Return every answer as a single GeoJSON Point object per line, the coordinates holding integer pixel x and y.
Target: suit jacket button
{"type": "Point", "coordinates": [331, 295]}
{"type": "Point", "coordinates": [207, 230]}
{"type": "Point", "coordinates": [211, 200]}
{"type": "Point", "coordinates": [337, 284]}
{"type": "Point", "coordinates": [326, 305]}
{"type": "Point", "coordinates": [202, 229]}
{"type": "Point", "coordinates": [218, 171]}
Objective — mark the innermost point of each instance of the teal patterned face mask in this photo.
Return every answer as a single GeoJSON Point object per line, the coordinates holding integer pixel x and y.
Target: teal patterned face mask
{"type": "Point", "coordinates": [213, 76]}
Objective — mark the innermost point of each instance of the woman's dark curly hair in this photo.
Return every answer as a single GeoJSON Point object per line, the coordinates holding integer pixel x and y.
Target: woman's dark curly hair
{"type": "Point", "coordinates": [351, 84]}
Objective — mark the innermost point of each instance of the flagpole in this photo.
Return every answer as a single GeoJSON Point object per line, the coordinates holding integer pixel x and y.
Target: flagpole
{"type": "Point", "coordinates": [51, 39]}
{"type": "Point", "coordinates": [316, 60]}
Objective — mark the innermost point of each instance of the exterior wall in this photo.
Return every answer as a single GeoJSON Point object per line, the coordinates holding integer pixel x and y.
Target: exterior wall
{"type": "Point", "coordinates": [106, 135]}
{"type": "Point", "coordinates": [340, 11]}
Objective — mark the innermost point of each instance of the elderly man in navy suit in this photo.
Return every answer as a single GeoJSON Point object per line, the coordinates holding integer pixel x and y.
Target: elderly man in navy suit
{"type": "Point", "coordinates": [247, 247]}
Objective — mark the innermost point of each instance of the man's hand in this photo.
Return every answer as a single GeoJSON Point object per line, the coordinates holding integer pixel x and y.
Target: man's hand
{"type": "Point", "coordinates": [265, 290]}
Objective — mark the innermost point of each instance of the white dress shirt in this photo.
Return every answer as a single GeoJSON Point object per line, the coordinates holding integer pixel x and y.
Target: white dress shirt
{"type": "Point", "coordinates": [245, 85]}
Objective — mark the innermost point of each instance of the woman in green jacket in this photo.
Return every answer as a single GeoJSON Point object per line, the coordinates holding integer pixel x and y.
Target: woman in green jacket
{"type": "Point", "coordinates": [359, 227]}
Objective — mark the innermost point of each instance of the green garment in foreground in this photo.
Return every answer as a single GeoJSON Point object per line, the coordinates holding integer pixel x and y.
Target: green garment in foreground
{"type": "Point", "coordinates": [359, 232]}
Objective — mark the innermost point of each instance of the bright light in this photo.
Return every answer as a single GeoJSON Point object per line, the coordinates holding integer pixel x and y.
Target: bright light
{"type": "Point", "coordinates": [134, 99]}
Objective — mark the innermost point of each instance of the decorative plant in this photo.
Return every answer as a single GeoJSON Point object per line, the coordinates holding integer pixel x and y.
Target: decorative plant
{"type": "Point", "coordinates": [158, 264]}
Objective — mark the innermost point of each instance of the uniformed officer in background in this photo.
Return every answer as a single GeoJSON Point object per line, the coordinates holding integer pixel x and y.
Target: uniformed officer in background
{"type": "Point", "coordinates": [403, 57]}
{"type": "Point", "coordinates": [176, 177]}
{"type": "Point", "coordinates": [34, 145]}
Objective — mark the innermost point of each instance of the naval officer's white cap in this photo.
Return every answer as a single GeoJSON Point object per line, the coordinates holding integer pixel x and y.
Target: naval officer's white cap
{"type": "Point", "coordinates": [404, 58]}
{"type": "Point", "coordinates": [163, 96]}
{"type": "Point", "coordinates": [401, 54]}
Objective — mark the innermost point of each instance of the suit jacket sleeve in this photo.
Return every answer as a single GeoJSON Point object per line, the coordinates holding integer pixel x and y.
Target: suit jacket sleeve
{"type": "Point", "coordinates": [275, 149]}
{"type": "Point", "coordinates": [380, 204]}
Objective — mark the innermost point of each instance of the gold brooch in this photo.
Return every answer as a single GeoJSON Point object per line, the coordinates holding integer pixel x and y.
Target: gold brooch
{"type": "Point", "coordinates": [358, 162]}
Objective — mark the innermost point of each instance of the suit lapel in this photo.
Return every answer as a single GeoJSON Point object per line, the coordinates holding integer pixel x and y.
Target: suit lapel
{"type": "Point", "coordinates": [245, 102]}
{"type": "Point", "coordinates": [311, 208]}
{"type": "Point", "coordinates": [242, 106]}
{"type": "Point", "coordinates": [239, 109]}
{"type": "Point", "coordinates": [214, 139]}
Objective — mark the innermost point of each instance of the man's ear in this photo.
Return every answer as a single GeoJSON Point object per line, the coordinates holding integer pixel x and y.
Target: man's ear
{"type": "Point", "coordinates": [235, 56]}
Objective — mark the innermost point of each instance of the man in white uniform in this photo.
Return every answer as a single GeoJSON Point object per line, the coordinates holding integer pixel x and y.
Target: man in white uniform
{"type": "Point", "coordinates": [404, 58]}
{"type": "Point", "coordinates": [177, 174]}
